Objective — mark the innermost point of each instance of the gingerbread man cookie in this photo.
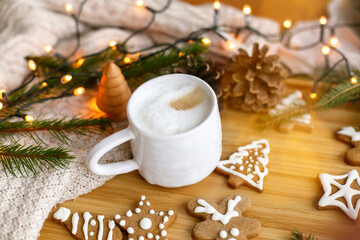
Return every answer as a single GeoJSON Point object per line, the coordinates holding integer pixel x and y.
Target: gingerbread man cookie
{"type": "Point", "coordinates": [224, 220]}
{"type": "Point", "coordinates": [351, 136]}
{"type": "Point", "coordinates": [302, 123]}
{"type": "Point", "coordinates": [248, 165]}
{"type": "Point", "coordinates": [87, 226]}
{"type": "Point", "coordinates": [144, 222]}
{"type": "Point", "coordinates": [341, 192]}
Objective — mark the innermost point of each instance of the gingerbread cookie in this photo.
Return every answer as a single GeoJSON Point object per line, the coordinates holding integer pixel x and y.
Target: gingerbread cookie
{"type": "Point", "coordinates": [248, 165]}
{"type": "Point", "coordinates": [302, 123]}
{"type": "Point", "coordinates": [224, 220]}
{"type": "Point", "coordinates": [145, 223]}
{"type": "Point", "coordinates": [351, 136]}
{"type": "Point", "coordinates": [87, 226]}
{"type": "Point", "coordinates": [341, 192]}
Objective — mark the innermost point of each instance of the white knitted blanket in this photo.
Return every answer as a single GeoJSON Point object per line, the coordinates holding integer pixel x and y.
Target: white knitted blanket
{"type": "Point", "coordinates": [26, 26]}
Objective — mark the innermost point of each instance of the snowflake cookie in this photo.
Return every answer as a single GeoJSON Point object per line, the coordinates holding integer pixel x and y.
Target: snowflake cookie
{"type": "Point", "coordinates": [224, 220]}
{"type": "Point", "coordinates": [351, 136]}
{"type": "Point", "coordinates": [88, 226]}
{"type": "Point", "coordinates": [302, 123]}
{"type": "Point", "coordinates": [341, 192]}
{"type": "Point", "coordinates": [247, 165]}
{"type": "Point", "coordinates": [144, 222]}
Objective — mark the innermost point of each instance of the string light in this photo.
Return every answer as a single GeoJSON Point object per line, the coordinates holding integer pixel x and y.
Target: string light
{"type": "Point", "coordinates": [325, 50]}
{"type": "Point", "coordinates": [78, 91]}
{"type": "Point", "coordinates": [48, 48]}
{"type": "Point", "coordinates": [1, 105]}
{"type": "Point", "coordinates": [79, 62]}
{"type": "Point", "coordinates": [2, 91]}
{"type": "Point", "coordinates": [206, 41]}
{"type": "Point", "coordinates": [140, 3]}
{"type": "Point", "coordinates": [287, 23]}
{"type": "Point", "coordinates": [69, 8]}
{"type": "Point", "coordinates": [181, 54]}
{"type": "Point", "coordinates": [334, 41]}
{"type": "Point", "coordinates": [32, 65]}
{"type": "Point", "coordinates": [354, 79]}
{"type": "Point", "coordinates": [246, 9]}
{"type": "Point", "coordinates": [323, 20]}
{"type": "Point", "coordinates": [65, 79]}
{"type": "Point", "coordinates": [313, 95]}
{"type": "Point", "coordinates": [217, 5]}
{"type": "Point", "coordinates": [231, 45]}
{"type": "Point", "coordinates": [112, 43]}
{"type": "Point", "coordinates": [127, 60]}
{"type": "Point", "coordinates": [44, 84]}
{"type": "Point", "coordinates": [28, 118]}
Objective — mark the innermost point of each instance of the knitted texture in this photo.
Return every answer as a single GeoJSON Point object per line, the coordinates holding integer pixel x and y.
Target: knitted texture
{"type": "Point", "coordinates": [26, 26]}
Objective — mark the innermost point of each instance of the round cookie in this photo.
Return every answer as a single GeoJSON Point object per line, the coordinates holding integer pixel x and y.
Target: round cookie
{"type": "Point", "coordinates": [351, 136]}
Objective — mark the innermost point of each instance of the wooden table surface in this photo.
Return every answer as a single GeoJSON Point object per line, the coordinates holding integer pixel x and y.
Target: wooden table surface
{"type": "Point", "coordinates": [291, 193]}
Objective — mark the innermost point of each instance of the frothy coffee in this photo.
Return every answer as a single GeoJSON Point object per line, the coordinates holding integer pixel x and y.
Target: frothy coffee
{"type": "Point", "coordinates": [172, 107]}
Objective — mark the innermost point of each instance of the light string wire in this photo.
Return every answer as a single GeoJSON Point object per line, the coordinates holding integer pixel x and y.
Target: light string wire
{"type": "Point", "coordinates": [284, 37]}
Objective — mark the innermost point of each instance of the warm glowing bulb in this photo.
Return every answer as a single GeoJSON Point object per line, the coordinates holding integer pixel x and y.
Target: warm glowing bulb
{"type": "Point", "coordinates": [206, 41]}
{"type": "Point", "coordinates": [181, 54]}
{"type": "Point", "coordinates": [112, 43]}
{"type": "Point", "coordinates": [29, 118]}
{"type": "Point", "coordinates": [78, 91]}
{"type": "Point", "coordinates": [231, 45]}
{"type": "Point", "coordinates": [354, 80]}
{"type": "Point", "coordinates": [79, 62]}
{"type": "Point", "coordinates": [313, 95]}
{"type": "Point", "coordinates": [127, 60]}
{"type": "Point", "coordinates": [140, 3]}
{"type": "Point", "coordinates": [1, 93]}
{"type": "Point", "coordinates": [48, 48]}
{"type": "Point", "coordinates": [247, 9]}
{"type": "Point", "coordinates": [325, 50]}
{"type": "Point", "coordinates": [65, 79]}
{"type": "Point", "coordinates": [334, 41]}
{"type": "Point", "coordinates": [32, 65]}
{"type": "Point", "coordinates": [68, 8]}
{"type": "Point", "coordinates": [1, 105]}
{"type": "Point", "coordinates": [217, 5]}
{"type": "Point", "coordinates": [287, 23]}
{"type": "Point", "coordinates": [44, 84]}
{"type": "Point", "coordinates": [323, 20]}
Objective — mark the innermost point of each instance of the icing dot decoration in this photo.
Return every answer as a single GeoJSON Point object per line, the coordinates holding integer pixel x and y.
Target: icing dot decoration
{"type": "Point", "coordinates": [149, 235]}
{"type": "Point", "coordinates": [157, 237]}
{"type": "Point", "coordinates": [91, 233]}
{"type": "Point", "coordinates": [152, 211]}
{"type": "Point", "coordinates": [163, 233]}
{"type": "Point", "coordinates": [161, 226]}
{"type": "Point", "coordinates": [129, 213]}
{"type": "Point", "coordinates": [141, 203]}
{"type": "Point", "coordinates": [117, 216]}
{"type": "Point", "coordinates": [223, 234]}
{"type": "Point", "coordinates": [122, 223]}
{"type": "Point", "coordinates": [161, 213]}
{"type": "Point", "coordinates": [171, 212]}
{"type": "Point", "coordinates": [130, 230]}
{"type": "Point", "coordinates": [141, 238]}
{"type": "Point", "coordinates": [142, 198]}
{"type": "Point", "coordinates": [147, 203]}
{"type": "Point", "coordinates": [137, 210]}
{"type": "Point", "coordinates": [145, 223]}
{"type": "Point", "coordinates": [234, 232]}
{"type": "Point", "coordinates": [93, 222]}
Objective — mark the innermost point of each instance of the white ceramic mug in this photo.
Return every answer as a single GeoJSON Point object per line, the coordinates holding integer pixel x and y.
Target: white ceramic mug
{"type": "Point", "coordinates": [167, 160]}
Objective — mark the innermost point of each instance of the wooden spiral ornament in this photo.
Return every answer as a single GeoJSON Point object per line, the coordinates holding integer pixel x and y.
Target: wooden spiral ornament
{"type": "Point", "coordinates": [113, 93]}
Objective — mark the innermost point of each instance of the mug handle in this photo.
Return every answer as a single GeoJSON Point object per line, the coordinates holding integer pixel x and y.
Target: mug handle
{"type": "Point", "coordinates": [106, 145]}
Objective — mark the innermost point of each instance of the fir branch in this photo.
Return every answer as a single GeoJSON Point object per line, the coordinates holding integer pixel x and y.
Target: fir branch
{"type": "Point", "coordinates": [32, 158]}
{"type": "Point", "coordinates": [297, 235]}
{"type": "Point", "coordinates": [57, 128]}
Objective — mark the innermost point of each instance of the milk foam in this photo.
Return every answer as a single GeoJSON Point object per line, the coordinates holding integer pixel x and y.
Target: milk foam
{"type": "Point", "coordinates": [171, 108]}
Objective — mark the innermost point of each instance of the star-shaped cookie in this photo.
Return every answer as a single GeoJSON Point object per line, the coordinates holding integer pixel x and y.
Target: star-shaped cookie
{"type": "Point", "coordinates": [341, 191]}
{"type": "Point", "coordinates": [144, 222]}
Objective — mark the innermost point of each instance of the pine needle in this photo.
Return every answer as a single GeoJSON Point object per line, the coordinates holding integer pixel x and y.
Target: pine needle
{"type": "Point", "coordinates": [297, 235]}
{"type": "Point", "coordinates": [17, 158]}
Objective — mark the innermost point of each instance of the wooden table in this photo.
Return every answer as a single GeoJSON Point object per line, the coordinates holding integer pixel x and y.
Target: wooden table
{"type": "Point", "coordinates": [291, 193]}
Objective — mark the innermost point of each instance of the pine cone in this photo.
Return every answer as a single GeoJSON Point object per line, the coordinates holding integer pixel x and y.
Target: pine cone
{"type": "Point", "coordinates": [254, 83]}
{"type": "Point", "coordinates": [206, 70]}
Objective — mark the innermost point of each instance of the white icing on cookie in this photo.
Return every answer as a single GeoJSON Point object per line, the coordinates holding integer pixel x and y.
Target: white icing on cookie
{"type": "Point", "coordinates": [117, 216]}
{"type": "Point", "coordinates": [141, 238]}
{"type": "Point", "coordinates": [243, 152]}
{"type": "Point", "coordinates": [93, 222]}
{"type": "Point", "coordinates": [74, 223]}
{"type": "Point", "coordinates": [163, 233]}
{"type": "Point", "coordinates": [157, 237]}
{"type": "Point", "coordinates": [122, 223]}
{"type": "Point", "coordinates": [100, 218]}
{"type": "Point", "coordinates": [223, 234]}
{"type": "Point", "coordinates": [141, 203]}
{"type": "Point", "coordinates": [91, 233]}
{"type": "Point", "coordinates": [62, 214]}
{"type": "Point", "coordinates": [350, 132]}
{"type": "Point", "coordinates": [161, 226]}
{"type": "Point", "coordinates": [111, 226]}
{"type": "Point", "coordinates": [234, 232]}
{"type": "Point", "coordinates": [137, 210]}
{"type": "Point", "coordinates": [147, 203]}
{"type": "Point", "coordinates": [224, 219]}
{"type": "Point", "coordinates": [129, 213]}
{"type": "Point", "coordinates": [345, 191]}
{"type": "Point", "coordinates": [145, 223]}
{"type": "Point", "coordinates": [130, 230]}
{"type": "Point", "coordinates": [87, 217]}
{"type": "Point", "coordinates": [161, 213]}
{"type": "Point", "coordinates": [152, 211]}
{"type": "Point", "coordinates": [165, 219]}
{"type": "Point", "coordinates": [149, 235]}
{"type": "Point", "coordinates": [143, 198]}
{"type": "Point", "coordinates": [170, 212]}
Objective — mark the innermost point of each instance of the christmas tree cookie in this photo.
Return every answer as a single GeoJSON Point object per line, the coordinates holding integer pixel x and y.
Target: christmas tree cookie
{"type": "Point", "coordinates": [224, 220]}
{"type": "Point", "coordinates": [88, 226]}
{"type": "Point", "coordinates": [247, 165]}
{"type": "Point", "coordinates": [145, 222]}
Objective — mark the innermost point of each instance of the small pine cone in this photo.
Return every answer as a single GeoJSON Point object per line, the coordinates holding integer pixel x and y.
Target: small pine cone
{"type": "Point", "coordinates": [254, 83]}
